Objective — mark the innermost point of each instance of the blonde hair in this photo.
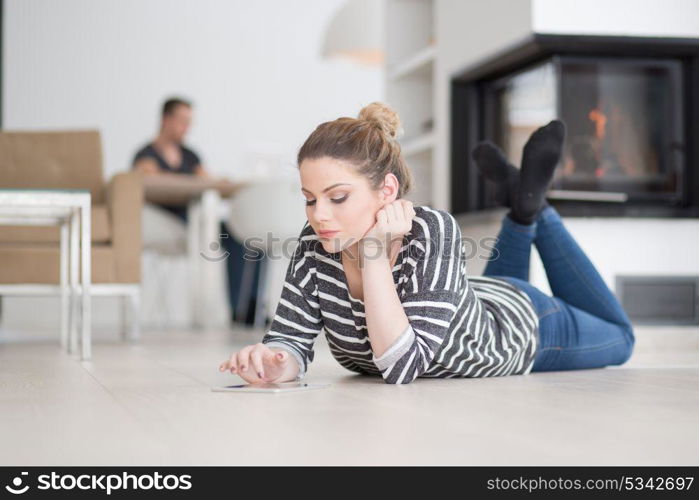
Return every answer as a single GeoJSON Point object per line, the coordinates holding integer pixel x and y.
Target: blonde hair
{"type": "Point", "coordinates": [369, 142]}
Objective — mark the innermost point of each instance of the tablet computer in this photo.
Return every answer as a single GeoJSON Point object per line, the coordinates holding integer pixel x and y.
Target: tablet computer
{"type": "Point", "coordinates": [269, 387]}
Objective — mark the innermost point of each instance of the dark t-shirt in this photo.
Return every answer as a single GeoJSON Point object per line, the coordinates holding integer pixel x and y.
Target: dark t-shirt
{"type": "Point", "coordinates": [190, 161]}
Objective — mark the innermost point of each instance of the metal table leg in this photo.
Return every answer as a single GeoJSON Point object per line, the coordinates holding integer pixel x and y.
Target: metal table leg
{"type": "Point", "coordinates": [73, 271]}
{"type": "Point", "coordinates": [193, 237]}
{"type": "Point", "coordinates": [64, 284]}
{"type": "Point", "coordinates": [86, 275]}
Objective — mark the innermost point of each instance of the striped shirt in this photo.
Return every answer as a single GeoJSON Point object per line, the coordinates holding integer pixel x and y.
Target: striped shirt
{"type": "Point", "coordinates": [459, 325]}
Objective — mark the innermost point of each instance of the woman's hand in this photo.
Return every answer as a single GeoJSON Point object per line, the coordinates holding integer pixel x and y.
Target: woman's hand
{"type": "Point", "coordinates": [258, 363]}
{"type": "Point", "coordinates": [393, 222]}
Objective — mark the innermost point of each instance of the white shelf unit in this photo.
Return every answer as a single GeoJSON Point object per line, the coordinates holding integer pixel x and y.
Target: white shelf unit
{"type": "Point", "coordinates": [410, 83]}
{"type": "Point", "coordinates": [418, 64]}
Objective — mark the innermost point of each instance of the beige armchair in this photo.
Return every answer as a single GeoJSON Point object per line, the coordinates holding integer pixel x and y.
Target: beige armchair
{"type": "Point", "coordinates": [72, 160]}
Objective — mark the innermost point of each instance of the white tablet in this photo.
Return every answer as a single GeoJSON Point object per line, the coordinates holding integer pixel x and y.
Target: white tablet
{"type": "Point", "coordinates": [269, 387]}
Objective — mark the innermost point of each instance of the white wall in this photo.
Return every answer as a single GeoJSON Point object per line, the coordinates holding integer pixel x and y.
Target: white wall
{"type": "Point", "coordinates": [671, 18]}
{"type": "Point", "coordinates": [632, 246]}
{"type": "Point", "coordinates": [252, 68]}
{"type": "Point", "coordinates": [615, 246]}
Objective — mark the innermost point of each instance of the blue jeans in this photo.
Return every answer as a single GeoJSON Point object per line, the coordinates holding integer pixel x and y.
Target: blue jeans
{"type": "Point", "coordinates": [583, 324]}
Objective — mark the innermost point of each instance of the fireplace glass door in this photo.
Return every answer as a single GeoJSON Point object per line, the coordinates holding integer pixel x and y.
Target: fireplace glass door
{"type": "Point", "coordinates": [623, 119]}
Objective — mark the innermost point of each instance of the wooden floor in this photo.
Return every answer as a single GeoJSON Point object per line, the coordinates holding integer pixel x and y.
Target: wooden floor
{"type": "Point", "coordinates": [150, 403]}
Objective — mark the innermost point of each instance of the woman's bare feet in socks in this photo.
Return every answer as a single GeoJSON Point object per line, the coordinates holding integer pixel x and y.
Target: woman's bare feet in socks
{"type": "Point", "coordinates": [523, 192]}
{"type": "Point", "coordinates": [493, 165]}
{"type": "Point", "coordinates": [540, 156]}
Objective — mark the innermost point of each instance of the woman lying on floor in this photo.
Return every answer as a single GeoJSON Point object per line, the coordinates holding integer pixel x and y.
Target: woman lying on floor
{"type": "Point", "coordinates": [388, 282]}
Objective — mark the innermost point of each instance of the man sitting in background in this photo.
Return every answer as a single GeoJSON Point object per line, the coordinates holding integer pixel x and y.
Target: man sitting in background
{"type": "Point", "coordinates": [167, 153]}
{"type": "Point", "coordinates": [164, 225]}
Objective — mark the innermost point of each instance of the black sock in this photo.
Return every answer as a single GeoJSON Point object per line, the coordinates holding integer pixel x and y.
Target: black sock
{"type": "Point", "coordinates": [539, 159]}
{"type": "Point", "coordinates": [493, 165]}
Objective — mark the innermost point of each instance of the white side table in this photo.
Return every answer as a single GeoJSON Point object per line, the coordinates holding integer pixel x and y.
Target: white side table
{"type": "Point", "coordinates": [207, 266]}
{"type": "Point", "coordinates": [69, 209]}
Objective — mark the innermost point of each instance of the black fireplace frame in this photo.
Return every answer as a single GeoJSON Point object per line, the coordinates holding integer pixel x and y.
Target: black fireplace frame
{"type": "Point", "coordinates": [469, 101]}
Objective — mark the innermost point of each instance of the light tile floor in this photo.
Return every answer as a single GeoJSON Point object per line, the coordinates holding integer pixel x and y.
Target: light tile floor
{"type": "Point", "coordinates": [150, 403]}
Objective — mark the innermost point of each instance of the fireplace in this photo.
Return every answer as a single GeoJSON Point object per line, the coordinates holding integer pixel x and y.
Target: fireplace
{"type": "Point", "coordinates": [632, 144]}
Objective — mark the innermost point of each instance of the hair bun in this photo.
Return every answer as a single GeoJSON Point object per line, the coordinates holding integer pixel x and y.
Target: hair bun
{"type": "Point", "coordinates": [384, 116]}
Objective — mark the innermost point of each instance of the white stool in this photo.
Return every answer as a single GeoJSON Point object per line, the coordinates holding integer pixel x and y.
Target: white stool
{"type": "Point", "coordinates": [266, 215]}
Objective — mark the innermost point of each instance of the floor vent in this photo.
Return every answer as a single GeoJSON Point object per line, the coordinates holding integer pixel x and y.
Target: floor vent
{"type": "Point", "coordinates": [660, 300]}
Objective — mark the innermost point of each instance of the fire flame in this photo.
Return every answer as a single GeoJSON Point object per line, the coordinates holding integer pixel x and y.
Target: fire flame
{"type": "Point", "coordinates": [600, 120]}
